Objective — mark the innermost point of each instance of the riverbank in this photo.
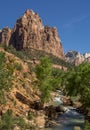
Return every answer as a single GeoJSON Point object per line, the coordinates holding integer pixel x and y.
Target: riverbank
{"type": "Point", "coordinates": [60, 114]}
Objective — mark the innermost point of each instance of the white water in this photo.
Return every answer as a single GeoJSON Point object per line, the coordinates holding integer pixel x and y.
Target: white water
{"type": "Point", "coordinates": [69, 119]}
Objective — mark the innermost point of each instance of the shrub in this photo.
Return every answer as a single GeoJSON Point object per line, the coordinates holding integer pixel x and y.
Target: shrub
{"type": "Point", "coordinates": [18, 66]}
{"type": "Point", "coordinates": [5, 77]}
{"type": "Point", "coordinates": [8, 121]}
{"type": "Point", "coordinates": [87, 125]}
{"type": "Point", "coordinates": [2, 58]}
{"type": "Point", "coordinates": [30, 116]}
{"type": "Point", "coordinates": [43, 73]}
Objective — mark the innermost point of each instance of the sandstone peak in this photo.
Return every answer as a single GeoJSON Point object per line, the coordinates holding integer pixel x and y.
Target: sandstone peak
{"type": "Point", "coordinates": [29, 32]}
{"type": "Point", "coordinates": [75, 58]}
{"type": "Point", "coordinates": [29, 12]}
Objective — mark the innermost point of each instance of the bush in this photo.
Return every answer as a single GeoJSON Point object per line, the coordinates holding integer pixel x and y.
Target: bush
{"type": "Point", "coordinates": [8, 121]}
{"type": "Point", "coordinates": [2, 59]}
{"type": "Point", "coordinates": [30, 115]}
{"type": "Point", "coordinates": [18, 66]}
{"type": "Point", "coordinates": [5, 77]}
{"type": "Point", "coordinates": [87, 125]}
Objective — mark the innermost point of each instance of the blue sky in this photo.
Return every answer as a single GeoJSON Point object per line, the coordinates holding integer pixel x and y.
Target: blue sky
{"type": "Point", "coordinates": [71, 17]}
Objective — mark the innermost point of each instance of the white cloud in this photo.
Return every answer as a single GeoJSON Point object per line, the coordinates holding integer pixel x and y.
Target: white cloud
{"type": "Point", "coordinates": [75, 20]}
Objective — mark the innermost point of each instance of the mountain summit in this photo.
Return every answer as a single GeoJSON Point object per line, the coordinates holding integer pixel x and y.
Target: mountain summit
{"type": "Point", "coordinates": [29, 32]}
{"type": "Point", "coordinates": [75, 58]}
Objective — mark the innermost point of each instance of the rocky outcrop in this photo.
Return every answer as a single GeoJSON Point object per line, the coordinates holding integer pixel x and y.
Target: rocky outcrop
{"type": "Point", "coordinates": [84, 111]}
{"type": "Point", "coordinates": [75, 58]}
{"type": "Point", "coordinates": [22, 98]}
{"type": "Point", "coordinates": [5, 36]}
{"type": "Point", "coordinates": [29, 32]}
{"type": "Point", "coordinates": [86, 57]}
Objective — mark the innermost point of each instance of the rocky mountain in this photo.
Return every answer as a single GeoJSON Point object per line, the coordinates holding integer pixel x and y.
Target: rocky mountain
{"type": "Point", "coordinates": [75, 58]}
{"type": "Point", "coordinates": [29, 32]}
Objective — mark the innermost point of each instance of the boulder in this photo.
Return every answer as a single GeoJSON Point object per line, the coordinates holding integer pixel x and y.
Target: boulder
{"type": "Point", "coordinates": [37, 105]}
{"type": "Point", "coordinates": [60, 109]}
{"type": "Point", "coordinates": [67, 101]}
{"type": "Point", "coordinates": [77, 128]}
{"type": "Point", "coordinates": [50, 111]}
{"type": "Point", "coordinates": [22, 98]}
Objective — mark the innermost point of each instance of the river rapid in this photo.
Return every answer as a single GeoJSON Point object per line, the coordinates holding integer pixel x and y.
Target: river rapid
{"type": "Point", "coordinates": [69, 120]}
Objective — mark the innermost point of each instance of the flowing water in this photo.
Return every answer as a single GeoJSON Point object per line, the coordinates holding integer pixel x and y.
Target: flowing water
{"type": "Point", "coordinates": [69, 119]}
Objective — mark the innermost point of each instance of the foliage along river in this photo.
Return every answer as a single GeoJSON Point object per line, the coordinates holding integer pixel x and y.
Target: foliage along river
{"type": "Point", "coordinates": [68, 120]}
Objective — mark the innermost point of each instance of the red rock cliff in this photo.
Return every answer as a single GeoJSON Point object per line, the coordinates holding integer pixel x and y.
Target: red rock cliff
{"type": "Point", "coordinates": [29, 32]}
{"type": "Point", "coordinates": [5, 35]}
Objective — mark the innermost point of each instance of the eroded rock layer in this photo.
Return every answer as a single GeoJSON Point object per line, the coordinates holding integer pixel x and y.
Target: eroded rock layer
{"type": "Point", "coordinates": [29, 32]}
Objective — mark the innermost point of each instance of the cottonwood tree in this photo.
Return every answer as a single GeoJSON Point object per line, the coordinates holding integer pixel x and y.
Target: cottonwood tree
{"type": "Point", "coordinates": [78, 83]}
{"type": "Point", "coordinates": [44, 76]}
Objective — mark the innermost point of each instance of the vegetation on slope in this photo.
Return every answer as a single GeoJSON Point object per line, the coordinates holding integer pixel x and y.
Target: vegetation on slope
{"type": "Point", "coordinates": [15, 77]}
{"type": "Point", "coordinates": [9, 122]}
{"type": "Point", "coordinates": [30, 54]}
{"type": "Point", "coordinates": [17, 91]}
{"type": "Point", "coordinates": [6, 76]}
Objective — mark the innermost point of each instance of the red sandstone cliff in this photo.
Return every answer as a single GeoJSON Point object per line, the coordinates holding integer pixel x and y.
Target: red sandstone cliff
{"type": "Point", "coordinates": [5, 35]}
{"type": "Point", "coordinates": [29, 32]}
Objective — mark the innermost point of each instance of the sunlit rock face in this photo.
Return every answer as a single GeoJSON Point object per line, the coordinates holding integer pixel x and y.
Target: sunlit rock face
{"type": "Point", "coordinates": [29, 32]}
{"type": "Point", "coordinates": [75, 58]}
{"type": "Point", "coordinates": [5, 35]}
{"type": "Point", "coordinates": [86, 57]}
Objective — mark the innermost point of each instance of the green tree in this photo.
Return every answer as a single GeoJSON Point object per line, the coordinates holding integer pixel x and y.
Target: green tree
{"type": "Point", "coordinates": [5, 77]}
{"type": "Point", "coordinates": [44, 73]}
{"type": "Point", "coordinates": [57, 78]}
{"type": "Point", "coordinates": [78, 83]}
{"type": "Point", "coordinates": [8, 121]}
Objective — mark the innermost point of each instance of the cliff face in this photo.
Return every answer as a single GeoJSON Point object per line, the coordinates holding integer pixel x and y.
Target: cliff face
{"type": "Point", "coordinates": [5, 35]}
{"type": "Point", "coordinates": [29, 32]}
{"type": "Point", "coordinates": [75, 58]}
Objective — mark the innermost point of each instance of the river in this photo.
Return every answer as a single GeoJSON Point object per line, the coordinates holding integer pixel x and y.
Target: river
{"type": "Point", "coordinates": [68, 120]}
